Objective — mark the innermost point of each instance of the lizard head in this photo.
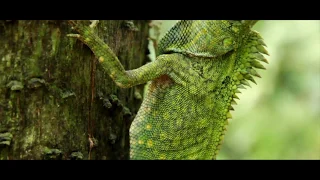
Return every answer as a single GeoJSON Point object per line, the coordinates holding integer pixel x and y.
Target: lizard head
{"type": "Point", "coordinates": [205, 38]}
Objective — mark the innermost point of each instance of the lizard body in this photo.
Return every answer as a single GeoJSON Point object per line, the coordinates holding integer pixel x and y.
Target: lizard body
{"type": "Point", "coordinates": [199, 68]}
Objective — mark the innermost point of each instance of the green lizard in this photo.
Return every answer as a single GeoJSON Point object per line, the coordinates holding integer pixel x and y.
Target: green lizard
{"type": "Point", "coordinates": [200, 66]}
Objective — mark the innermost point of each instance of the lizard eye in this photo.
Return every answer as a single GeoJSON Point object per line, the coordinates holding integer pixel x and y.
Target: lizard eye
{"type": "Point", "coordinates": [227, 42]}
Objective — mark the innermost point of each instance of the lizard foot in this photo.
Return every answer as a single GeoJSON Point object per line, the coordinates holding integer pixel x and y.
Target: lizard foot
{"type": "Point", "coordinates": [93, 23]}
{"type": "Point", "coordinates": [74, 35]}
{"type": "Point", "coordinates": [84, 31]}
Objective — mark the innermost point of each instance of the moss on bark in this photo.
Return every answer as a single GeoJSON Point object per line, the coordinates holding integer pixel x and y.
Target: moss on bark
{"type": "Point", "coordinates": [55, 101]}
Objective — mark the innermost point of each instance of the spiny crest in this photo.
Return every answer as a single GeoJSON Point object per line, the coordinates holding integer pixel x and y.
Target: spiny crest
{"type": "Point", "coordinates": [245, 68]}
{"type": "Point", "coordinates": [201, 38]}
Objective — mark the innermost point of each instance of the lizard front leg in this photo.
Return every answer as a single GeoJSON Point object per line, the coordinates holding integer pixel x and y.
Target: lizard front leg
{"type": "Point", "coordinates": [164, 64]}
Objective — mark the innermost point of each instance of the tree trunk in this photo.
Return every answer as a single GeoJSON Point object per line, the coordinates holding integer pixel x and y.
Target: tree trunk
{"type": "Point", "coordinates": [55, 100]}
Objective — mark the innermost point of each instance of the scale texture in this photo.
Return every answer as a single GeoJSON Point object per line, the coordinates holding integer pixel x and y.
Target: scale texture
{"type": "Point", "coordinates": [200, 66]}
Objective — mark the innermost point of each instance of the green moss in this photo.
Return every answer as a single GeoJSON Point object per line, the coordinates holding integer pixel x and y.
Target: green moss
{"type": "Point", "coordinates": [38, 49]}
{"type": "Point", "coordinates": [5, 143]}
{"type": "Point", "coordinates": [29, 138]}
{"type": "Point", "coordinates": [126, 111]}
{"type": "Point", "coordinates": [21, 31]}
{"type": "Point", "coordinates": [35, 82]}
{"type": "Point", "coordinates": [76, 156]}
{"type": "Point", "coordinates": [67, 94]}
{"type": "Point", "coordinates": [55, 39]}
{"type": "Point", "coordinates": [5, 138]}
{"type": "Point", "coordinates": [52, 154]}
{"type": "Point", "coordinates": [15, 85]}
{"type": "Point", "coordinates": [36, 54]}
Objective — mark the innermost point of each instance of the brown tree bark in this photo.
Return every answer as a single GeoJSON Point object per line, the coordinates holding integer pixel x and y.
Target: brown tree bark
{"type": "Point", "coordinates": [55, 100]}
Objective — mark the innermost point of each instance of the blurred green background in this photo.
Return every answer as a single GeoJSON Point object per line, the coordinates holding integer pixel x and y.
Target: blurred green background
{"type": "Point", "coordinates": [280, 117]}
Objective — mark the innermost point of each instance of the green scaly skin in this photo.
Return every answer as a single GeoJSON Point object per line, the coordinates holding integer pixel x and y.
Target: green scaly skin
{"type": "Point", "coordinates": [199, 68]}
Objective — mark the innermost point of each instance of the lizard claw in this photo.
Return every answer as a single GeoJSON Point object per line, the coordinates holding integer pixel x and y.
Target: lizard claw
{"type": "Point", "coordinates": [93, 23]}
{"type": "Point", "coordinates": [84, 32]}
{"type": "Point", "coordinates": [74, 35]}
{"type": "Point", "coordinates": [81, 28]}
